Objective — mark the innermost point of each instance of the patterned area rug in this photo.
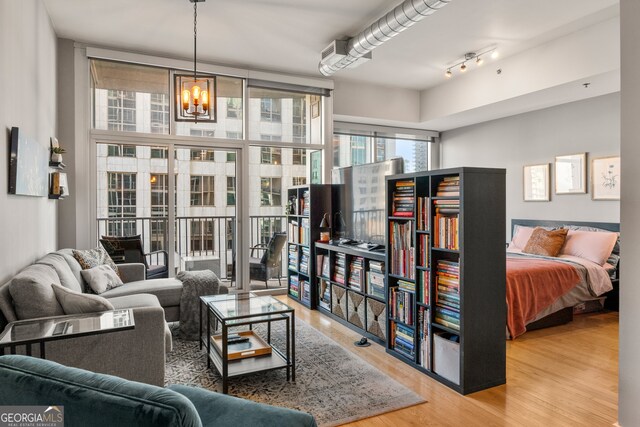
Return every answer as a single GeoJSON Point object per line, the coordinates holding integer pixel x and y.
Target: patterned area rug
{"type": "Point", "coordinates": [332, 384]}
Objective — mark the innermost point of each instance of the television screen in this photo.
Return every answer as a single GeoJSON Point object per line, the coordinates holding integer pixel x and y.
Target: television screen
{"type": "Point", "coordinates": [28, 166]}
{"type": "Point", "coordinates": [359, 197]}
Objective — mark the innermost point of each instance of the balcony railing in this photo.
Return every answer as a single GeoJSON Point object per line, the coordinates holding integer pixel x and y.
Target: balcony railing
{"type": "Point", "coordinates": [201, 242]}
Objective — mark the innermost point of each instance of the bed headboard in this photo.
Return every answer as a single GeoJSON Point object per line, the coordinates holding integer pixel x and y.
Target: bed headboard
{"type": "Point", "coordinates": [610, 226]}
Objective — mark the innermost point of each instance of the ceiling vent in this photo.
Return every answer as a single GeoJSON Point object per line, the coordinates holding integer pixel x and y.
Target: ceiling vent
{"type": "Point", "coordinates": [337, 51]}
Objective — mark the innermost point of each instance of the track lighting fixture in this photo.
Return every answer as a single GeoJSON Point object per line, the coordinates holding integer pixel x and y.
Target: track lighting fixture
{"type": "Point", "coordinates": [469, 56]}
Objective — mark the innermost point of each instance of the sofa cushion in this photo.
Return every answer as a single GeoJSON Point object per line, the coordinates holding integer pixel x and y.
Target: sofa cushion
{"type": "Point", "coordinates": [90, 258]}
{"type": "Point", "coordinates": [139, 301]}
{"type": "Point", "coordinates": [67, 278]}
{"type": "Point", "coordinates": [74, 265]}
{"type": "Point", "coordinates": [6, 304]}
{"type": "Point", "coordinates": [217, 409]}
{"type": "Point", "coordinates": [101, 278]}
{"type": "Point", "coordinates": [90, 398]}
{"type": "Point", "coordinates": [168, 291]}
{"type": "Point", "coordinates": [77, 303]}
{"type": "Point", "coordinates": [32, 293]}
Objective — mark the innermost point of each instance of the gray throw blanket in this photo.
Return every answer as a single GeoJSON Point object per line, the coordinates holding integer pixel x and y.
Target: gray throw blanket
{"type": "Point", "coordinates": [195, 284]}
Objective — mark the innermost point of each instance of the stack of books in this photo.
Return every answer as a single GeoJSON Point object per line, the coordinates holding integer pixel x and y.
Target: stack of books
{"type": "Point", "coordinates": [305, 233]}
{"type": "Point", "coordinates": [375, 279]}
{"type": "Point", "coordinates": [306, 203]}
{"type": "Point", "coordinates": [449, 187]}
{"type": "Point", "coordinates": [402, 249]}
{"type": "Point", "coordinates": [424, 206]}
{"type": "Point", "coordinates": [304, 261]}
{"type": "Point", "coordinates": [294, 286]}
{"type": "Point", "coordinates": [306, 291]}
{"type": "Point", "coordinates": [294, 232]}
{"type": "Point", "coordinates": [423, 255]}
{"type": "Point", "coordinates": [339, 267]}
{"type": "Point", "coordinates": [424, 332]}
{"type": "Point", "coordinates": [356, 273]}
{"type": "Point", "coordinates": [403, 198]}
{"type": "Point", "coordinates": [293, 257]}
{"type": "Point", "coordinates": [446, 224]}
{"type": "Point", "coordinates": [403, 340]}
{"type": "Point", "coordinates": [447, 310]}
{"type": "Point", "coordinates": [402, 305]}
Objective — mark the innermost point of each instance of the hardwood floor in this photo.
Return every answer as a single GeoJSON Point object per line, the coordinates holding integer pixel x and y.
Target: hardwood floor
{"type": "Point", "coordinates": [561, 376]}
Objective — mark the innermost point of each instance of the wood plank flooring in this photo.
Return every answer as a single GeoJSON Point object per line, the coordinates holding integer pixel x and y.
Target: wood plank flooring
{"type": "Point", "coordinates": [561, 376]}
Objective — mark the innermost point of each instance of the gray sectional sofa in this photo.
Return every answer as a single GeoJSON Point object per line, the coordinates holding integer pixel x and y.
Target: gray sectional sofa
{"type": "Point", "coordinates": [137, 354]}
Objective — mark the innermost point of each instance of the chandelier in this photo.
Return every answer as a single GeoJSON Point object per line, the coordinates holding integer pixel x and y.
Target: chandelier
{"type": "Point", "coordinates": [195, 95]}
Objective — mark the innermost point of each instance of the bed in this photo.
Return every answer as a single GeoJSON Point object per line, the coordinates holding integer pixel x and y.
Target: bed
{"type": "Point", "coordinates": [544, 290]}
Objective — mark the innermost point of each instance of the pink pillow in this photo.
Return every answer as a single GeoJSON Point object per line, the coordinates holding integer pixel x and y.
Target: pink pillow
{"type": "Point", "coordinates": [595, 246]}
{"type": "Point", "coordinates": [520, 237]}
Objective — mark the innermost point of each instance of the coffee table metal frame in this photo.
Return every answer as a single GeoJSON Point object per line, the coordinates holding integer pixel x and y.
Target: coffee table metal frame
{"type": "Point", "coordinates": [232, 368]}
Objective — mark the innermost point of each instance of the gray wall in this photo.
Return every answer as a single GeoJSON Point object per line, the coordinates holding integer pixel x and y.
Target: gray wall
{"type": "Point", "coordinates": [28, 101]}
{"type": "Point", "coordinates": [591, 126]}
{"type": "Point", "coordinates": [629, 368]}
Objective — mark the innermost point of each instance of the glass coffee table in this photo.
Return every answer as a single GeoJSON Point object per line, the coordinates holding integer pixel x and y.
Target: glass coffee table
{"type": "Point", "coordinates": [241, 351]}
{"type": "Point", "coordinates": [40, 331]}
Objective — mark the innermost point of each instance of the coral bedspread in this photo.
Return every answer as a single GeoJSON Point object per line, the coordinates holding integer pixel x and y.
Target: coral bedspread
{"type": "Point", "coordinates": [532, 285]}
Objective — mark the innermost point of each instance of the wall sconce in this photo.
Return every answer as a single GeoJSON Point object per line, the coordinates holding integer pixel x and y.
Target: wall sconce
{"type": "Point", "coordinates": [470, 56]}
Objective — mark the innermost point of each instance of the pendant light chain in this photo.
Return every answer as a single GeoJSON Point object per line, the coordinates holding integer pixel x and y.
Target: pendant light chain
{"type": "Point", "coordinates": [195, 36]}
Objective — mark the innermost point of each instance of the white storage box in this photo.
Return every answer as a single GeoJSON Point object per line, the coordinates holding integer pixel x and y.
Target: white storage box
{"type": "Point", "coordinates": [446, 357]}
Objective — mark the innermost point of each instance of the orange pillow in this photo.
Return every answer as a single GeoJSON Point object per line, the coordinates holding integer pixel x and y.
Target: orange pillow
{"type": "Point", "coordinates": [546, 242]}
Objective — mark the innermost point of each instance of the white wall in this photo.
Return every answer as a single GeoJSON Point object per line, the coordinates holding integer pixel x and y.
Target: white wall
{"type": "Point", "coordinates": [28, 101]}
{"type": "Point", "coordinates": [629, 345]}
{"type": "Point", "coordinates": [591, 126]}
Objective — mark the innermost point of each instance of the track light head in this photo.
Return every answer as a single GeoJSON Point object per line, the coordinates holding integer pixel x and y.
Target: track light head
{"type": "Point", "coordinates": [448, 74]}
{"type": "Point", "coordinates": [463, 67]}
{"type": "Point", "coordinates": [479, 61]}
{"type": "Point", "coordinates": [494, 54]}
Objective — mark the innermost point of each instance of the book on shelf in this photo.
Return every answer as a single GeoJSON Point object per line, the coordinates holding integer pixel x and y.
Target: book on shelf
{"type": "Point", "coordinates": [424, 279]}
{"type": "Point", "coordinates": [446, 230]}
{"type": "Point", "coordinates": [339, 268]}
{"type": "Point", "coordinates": [294, 231]}
{"type": "Point", "coordinates": [449, 187]}
{"type": "Point", "coordinates": [402, 305]}
{"type": "Point", "coordinates": [402, 249]}
{"type": "Point", "coordinates": [324, 294]}
{"type": "Point", "coordinates": [403, 339]}
{"type": "Point", "coordinates": [422, 217]}
{"type": "Point", "coordinates": [447, 303]}
{"type": "Point", "coordinates": [375, 279]}
{"type": "Point", "coordinates": [424, 331]}
{"type": "Point", "coordinates": [304, 260]}
{"type": "Point", "coordinates": [305, 287]}
{"type": "Point", "coordinates": [294, 286]}
{"type": "Point", "coordinates": [423, 254]}
{"type": "Point", "coordinates": [356, 273]}
{"type": "Point", "coordinates": [403, 198]}
{"type": "Point", "coordinates": [305, 231]}
{"type": "Point", "coordinates": [293, 257]}
{"type": "Point", "coordinates": [326, 265]}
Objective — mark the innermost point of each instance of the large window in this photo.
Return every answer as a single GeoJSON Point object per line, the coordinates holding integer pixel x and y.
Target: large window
{"type": "Point", "coordinates": [270, 191]}
{"type": "Point", "coordinates": [122, 110]}
{"type": "Point", "coordinates": [121, 203]}
{"type": "Point", "coordinates": [202, 190]}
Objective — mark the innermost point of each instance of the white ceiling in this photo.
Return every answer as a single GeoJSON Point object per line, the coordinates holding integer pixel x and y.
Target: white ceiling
{"type": "Point", "coordinates": [288, 35]}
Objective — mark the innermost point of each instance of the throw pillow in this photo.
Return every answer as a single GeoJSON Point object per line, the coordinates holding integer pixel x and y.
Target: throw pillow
{"type": "Point", "coordinates": [521, 235]}
{"type": "Point", "coordinates": [591, 245]}
{"type": "Point", "coordinates": [94, 257]}
{"type": "Point", "coordinates": [101, 278]}
{"type": "Point", "coordinates": [32, 294]}
{"type": "Point", "coordinates": [546, 242]}
{"type": "Point", "coordinates": [77, 303]}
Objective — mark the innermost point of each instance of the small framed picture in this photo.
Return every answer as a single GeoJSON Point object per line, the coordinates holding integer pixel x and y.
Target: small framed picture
{"type": "Point", "coordinates": [571, 174]}
{"type": "Point", "coordinates": [605, 178]}
{"type": "Point", "coordinates": [536, 183]}
{"type": "Point", "coordinates": [315, 109]}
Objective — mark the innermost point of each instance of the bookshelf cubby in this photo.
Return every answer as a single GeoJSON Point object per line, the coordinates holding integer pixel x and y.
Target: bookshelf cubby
{"type": "Point", "coordinates": [306, 205]}
{"type": "Point", "coordinates": [446, 278]}
{"type": "Point", "coordinates": [350, 288]}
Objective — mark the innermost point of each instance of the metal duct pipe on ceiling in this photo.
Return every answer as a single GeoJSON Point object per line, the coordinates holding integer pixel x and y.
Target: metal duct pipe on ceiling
{"type": "Point", "coordinates": [393, 23]}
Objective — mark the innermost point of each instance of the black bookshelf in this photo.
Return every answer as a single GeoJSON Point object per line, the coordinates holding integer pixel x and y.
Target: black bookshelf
{"type": "Point", "coordinates": [446, 275]}
{"type": "Point", "coordinates": [306, 206]}
{"type": "Point", "coordinates": [353, 298]}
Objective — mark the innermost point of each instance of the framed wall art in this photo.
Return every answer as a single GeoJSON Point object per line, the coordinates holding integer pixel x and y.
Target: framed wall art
{"type": "Point", "coordinates": [536, 183]}
{"type": "Point", "coordinates": [605, 178]}
{"type": "Point", "coordinates": [571, 174]}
